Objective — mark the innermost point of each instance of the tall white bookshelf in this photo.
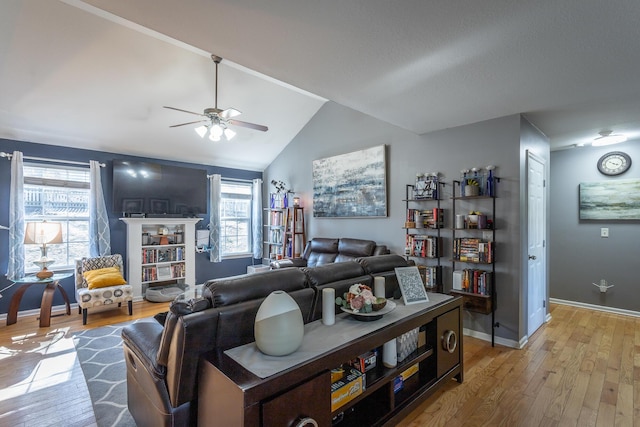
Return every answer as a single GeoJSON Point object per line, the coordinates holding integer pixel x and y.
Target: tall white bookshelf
{"type": "Point", "coordinates": [165, 256]}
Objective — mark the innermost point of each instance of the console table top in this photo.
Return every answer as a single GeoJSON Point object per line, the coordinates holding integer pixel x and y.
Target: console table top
{"type": "Point", "coordinates": [320, 339]}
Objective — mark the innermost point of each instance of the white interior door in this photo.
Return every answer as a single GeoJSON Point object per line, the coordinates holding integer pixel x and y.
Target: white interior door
{"type": "Point", "coordinates": [536, 245]}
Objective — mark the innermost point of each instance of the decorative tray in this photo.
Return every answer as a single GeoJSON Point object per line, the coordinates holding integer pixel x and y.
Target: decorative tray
{"type": "Point", "coordinates": [374, 315]}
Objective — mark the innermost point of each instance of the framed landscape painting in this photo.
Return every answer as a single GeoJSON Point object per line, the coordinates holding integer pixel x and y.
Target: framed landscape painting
{"type": "Point", "coordinates": [351, 185]}
{"type": "Point", "coordinates": [612, 200]}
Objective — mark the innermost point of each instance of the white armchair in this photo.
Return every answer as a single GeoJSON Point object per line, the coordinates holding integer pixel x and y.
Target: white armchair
{"type": "Point", "coordinates": [112, 290]}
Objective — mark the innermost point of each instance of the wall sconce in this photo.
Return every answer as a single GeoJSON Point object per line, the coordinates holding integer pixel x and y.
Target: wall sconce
{"type": "Point", "coordinates": [296, 202]}
{"type": "Point", "coordinates": [43, 233]}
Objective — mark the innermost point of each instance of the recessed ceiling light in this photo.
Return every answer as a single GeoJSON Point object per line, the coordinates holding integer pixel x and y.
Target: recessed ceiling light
{"type": "Point", "coordinates": [607, 137]}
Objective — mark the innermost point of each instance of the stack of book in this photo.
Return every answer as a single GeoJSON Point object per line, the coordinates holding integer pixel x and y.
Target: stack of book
{"type": "Point", "coordinates": [427, 216]}
{"type": "Point", "coordinates": [421, 245]}
{"type": "Point", "coordinates": [430, 276]}
{"type": "Point", "coordinates": [476, 281]}
{"type": "Point", "coordinates": [469, 249]}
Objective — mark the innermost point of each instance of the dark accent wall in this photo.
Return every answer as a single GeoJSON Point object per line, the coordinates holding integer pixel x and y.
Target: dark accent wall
{"type": "Point", "coordinates": [579, 256]}
{"type": "Point", "coordinates": [204, 269]}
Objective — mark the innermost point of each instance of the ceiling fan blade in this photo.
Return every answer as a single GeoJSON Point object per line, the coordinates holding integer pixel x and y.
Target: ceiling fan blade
{"type": "Point", "coordinates": [229, 113]}
{"type": "Point", "coordinates": [189, 123]}
{"type": "Point", "coordinates": [184, 111]}
{"type": "Point", "coordinates": [248, 125]}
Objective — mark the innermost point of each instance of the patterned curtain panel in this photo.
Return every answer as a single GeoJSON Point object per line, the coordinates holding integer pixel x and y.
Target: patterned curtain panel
{"type": "Point", "coordinates": [256, 218]}
{"type": "Point", "coordinates": [214, 217]}
{"type": "Point", "coordinates": [99, 234]}
{"type": "Point", "coordinates": [15, 268]}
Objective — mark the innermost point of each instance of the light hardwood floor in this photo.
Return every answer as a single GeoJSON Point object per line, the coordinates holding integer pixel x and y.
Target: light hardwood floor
{"type": "Point", "coordinates": [581, 369]}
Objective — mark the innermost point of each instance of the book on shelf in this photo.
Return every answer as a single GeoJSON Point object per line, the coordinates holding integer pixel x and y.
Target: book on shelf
{"type": "Point", "coordinates": [428, 217]}
{"type": "Point", "coordinates": [276, 218]}
{"type": "Point", "coordinates": [421, 245]}
{"type": "Point", "coordinates": [430, 275]}
{"type": "Point", "coordinates": [151, 256]}
{"type": "Point", "coordinates": [468, 249]}
{"type": "Point", "coordinates": [473, 280]}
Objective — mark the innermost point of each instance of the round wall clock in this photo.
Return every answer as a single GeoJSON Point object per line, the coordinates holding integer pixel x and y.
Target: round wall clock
{"type": "Point", "coordinates": [614, 163]}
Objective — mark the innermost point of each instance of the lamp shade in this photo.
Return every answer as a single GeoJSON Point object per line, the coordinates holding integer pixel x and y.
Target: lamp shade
{"type": "Point", "coordinates": [43, 233]}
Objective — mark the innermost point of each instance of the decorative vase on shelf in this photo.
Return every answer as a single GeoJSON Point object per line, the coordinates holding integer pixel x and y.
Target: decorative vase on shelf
{"type": "Point", "coordinates": [279, 328]}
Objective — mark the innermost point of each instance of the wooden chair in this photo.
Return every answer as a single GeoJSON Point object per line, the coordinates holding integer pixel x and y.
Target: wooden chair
{"type": "Point", "coordinates": [108, 293]}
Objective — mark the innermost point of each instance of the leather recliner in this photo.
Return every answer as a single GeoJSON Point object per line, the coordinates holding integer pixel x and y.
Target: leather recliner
{"type": "Point", "coordinates": [162, 359]}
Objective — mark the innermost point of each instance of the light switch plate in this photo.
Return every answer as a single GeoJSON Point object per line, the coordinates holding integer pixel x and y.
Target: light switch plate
{"type": "Point", "coordinates": [604, 232]}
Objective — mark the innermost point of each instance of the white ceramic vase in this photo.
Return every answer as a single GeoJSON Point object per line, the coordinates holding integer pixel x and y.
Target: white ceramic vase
{"type": "Point", "coordinates": [279, 327]}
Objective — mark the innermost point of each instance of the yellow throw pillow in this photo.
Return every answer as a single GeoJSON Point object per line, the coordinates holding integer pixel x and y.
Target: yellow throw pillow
{"type": "Point", "coordinates": [104, 277]}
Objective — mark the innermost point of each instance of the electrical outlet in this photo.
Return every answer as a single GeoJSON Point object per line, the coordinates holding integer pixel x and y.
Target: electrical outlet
{"type": "Point", "coordinates": [604, 232]}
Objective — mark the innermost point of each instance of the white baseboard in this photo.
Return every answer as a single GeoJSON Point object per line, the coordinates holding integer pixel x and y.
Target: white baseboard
{"type": "Point", "coordinates": [498, 340]}
{"type": "Point", "coordinates": [57, 309]}
{"type": "Point", "coordinates": [613, 310]}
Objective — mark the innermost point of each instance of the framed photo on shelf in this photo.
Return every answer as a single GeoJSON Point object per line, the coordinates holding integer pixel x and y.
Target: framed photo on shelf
{"type": "Point", "coordinates": [159, 206]}
{"type": "Point", "coordinates": [411, 285]}
{"type": "Point", "coordinates": [132, 205]}
{"type": "Point", "coordinates": [164, 272]}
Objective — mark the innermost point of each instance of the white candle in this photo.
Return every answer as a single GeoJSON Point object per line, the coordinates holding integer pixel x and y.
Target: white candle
{"type": "Point", "coordinates": [328, 306]}
{"type": "Point", "coordinates": [389, 354]}
{"type": "Point", "coordinates": [378, 286]}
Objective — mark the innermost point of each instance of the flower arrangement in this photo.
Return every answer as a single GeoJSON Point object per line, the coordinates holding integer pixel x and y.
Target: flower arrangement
{"type": "Point", "coordinates": [360, 299]}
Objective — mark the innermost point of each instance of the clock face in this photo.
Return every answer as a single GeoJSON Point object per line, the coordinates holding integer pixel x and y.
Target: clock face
{"type": "Point", "coordinates": [614, 163]}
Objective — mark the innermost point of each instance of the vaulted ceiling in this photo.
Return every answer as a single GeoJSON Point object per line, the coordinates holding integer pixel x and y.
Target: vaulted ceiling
{"type": "Point", "coordinates": [96, 73]}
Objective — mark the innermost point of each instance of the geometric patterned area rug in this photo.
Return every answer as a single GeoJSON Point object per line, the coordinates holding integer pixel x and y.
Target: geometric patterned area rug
{"type": "Point", "coordinates": [102, 360]}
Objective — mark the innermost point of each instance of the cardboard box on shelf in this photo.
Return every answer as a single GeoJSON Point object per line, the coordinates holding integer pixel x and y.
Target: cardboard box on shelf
{"type": "Point", "coordinates": [345, 390]}
{"type": "Point", "coordinates": [366, 361]}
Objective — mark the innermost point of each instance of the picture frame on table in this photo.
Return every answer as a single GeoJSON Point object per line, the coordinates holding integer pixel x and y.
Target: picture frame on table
{"type": "Point", "coordinates": [411, 285]}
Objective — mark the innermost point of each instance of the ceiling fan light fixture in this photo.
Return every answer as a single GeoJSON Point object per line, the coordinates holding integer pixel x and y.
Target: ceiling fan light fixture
{"type": "Point", "coordinates": [213, 137]}
{"type": "Point", "coordinates": [229, 134]}
{"type": "Point", "coordinates": [201, 130]}
{"type": "Point", "coordinates": [216, 130]}
{"type": "Point", "coordinates": [607, 137]}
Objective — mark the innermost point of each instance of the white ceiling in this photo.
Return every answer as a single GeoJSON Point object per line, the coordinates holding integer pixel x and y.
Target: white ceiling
{"type": "Point", "coordinates": [95, 74]}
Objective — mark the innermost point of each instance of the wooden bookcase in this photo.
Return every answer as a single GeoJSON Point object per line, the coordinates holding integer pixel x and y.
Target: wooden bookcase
{"type": "Point", "coordinates": [294, 234]}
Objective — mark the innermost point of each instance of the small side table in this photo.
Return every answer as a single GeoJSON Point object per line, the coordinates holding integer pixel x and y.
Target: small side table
{"type": "Point", "coordinates": [49, 287]}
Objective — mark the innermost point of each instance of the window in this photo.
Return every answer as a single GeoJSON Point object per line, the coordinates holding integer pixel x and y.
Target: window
{"type": "Point", "coordinates": [58, 194]}
{"type": "Point", "coordinates": [235, 219]}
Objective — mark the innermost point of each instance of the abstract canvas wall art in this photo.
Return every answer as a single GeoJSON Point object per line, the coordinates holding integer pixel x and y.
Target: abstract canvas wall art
{"type": "Point", "coordinates": [613, 200]}
{"type": "Point", "coordinates": [351, 185]}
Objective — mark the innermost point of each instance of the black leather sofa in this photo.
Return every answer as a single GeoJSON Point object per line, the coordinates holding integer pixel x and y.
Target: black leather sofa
{"type": "Point", "coordinates": [322, 250]}
{"type": "Point", "coordinates": [162, 357]}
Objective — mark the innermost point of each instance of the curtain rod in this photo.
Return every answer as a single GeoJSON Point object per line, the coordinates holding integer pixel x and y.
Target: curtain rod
{"type": "Point", "coordinates": [42, 159]}
{"type": "Point", "coordinates": [232, 179]}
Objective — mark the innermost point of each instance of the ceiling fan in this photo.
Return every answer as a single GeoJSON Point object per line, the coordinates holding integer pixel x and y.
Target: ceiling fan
{"type": "Point", "coordinates": [217, 121]}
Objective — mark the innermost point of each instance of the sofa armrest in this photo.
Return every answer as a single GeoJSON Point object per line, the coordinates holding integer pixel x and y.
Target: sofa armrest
{"type": "Point", "coordinates": [143, 339]}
